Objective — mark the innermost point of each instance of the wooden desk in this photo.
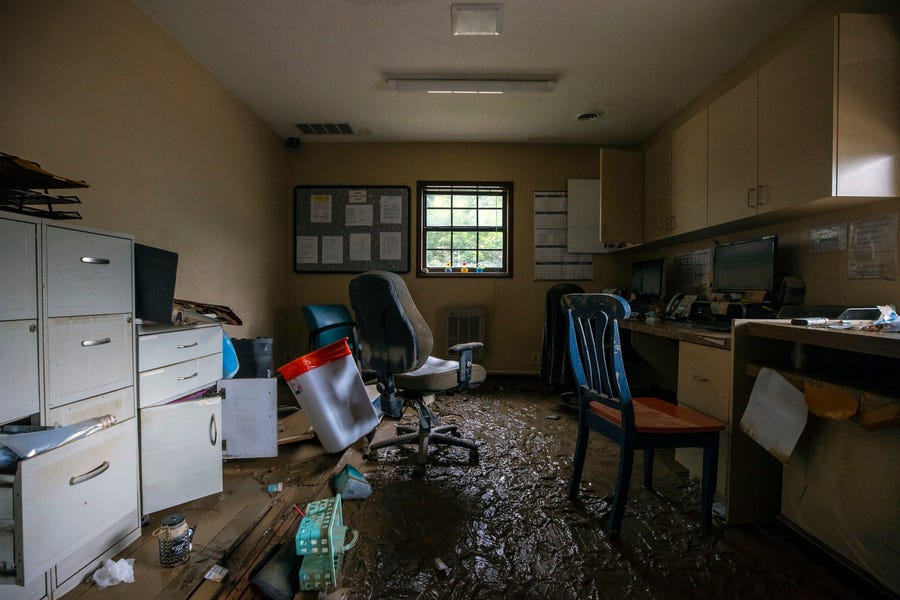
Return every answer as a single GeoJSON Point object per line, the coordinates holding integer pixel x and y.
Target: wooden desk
{"type": "Point", "coordinates": [841, 485]}
{"type": "Point", "coordinates": [674, 331]}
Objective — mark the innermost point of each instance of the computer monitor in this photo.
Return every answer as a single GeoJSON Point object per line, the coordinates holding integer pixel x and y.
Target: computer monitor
{"type": "Point", "coordinates": [746, 265]}
{"type": "Point", "coordinates": [154, 283]}
{"type": "Point", "coordinates": [647, 278]}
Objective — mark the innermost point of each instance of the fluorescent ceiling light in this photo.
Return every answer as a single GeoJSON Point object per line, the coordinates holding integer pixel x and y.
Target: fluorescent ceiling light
{"type": "Point", "coordinates": [475, 19]}
{"type": "Point", "coordinates": [471, 86]}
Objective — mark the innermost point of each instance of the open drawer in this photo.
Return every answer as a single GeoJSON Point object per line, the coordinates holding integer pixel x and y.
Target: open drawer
{"type": "Point", "coordinates": [61, 500]}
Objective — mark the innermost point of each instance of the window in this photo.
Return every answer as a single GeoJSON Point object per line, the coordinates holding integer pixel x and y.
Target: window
{"type": "Point", "coordinates": [464, 228]}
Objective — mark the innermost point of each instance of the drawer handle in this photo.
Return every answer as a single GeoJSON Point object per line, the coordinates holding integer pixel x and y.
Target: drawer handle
{"type": "Point", "coordinates": [213, 431]}
{"type": "Point", "coordinates": [188, 377]}
{"type": "Point", "coordinates": [699, 378]}
{"type": "Point", "coordinates": [90, 474]}
{"type": "Point", "coordinates": [100, 342]}
{"type": "Point", "coordinates": [94, 261]}
{"type": "Point", "coordinates": [763, 195]}
{"type": "Point", "coordinates": [183, 346]}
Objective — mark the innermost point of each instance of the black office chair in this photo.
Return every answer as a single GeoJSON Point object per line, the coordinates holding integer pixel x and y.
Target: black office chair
{"type": "Point", "coordinates": [606, 406]}
{"type": "Point", "coordinates": [398, 344]}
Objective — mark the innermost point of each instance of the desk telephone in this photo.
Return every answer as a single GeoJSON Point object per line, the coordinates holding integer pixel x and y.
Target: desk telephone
{"type": "Point", "coordinates": [679, 306]}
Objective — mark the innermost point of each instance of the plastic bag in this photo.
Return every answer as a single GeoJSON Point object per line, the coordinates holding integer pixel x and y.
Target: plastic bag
{"type": "Point", "coordinates": [113, 572]}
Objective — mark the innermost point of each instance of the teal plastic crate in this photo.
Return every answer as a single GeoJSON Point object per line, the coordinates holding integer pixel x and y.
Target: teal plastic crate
{"type": "Point", "coordinates": [321, 540]}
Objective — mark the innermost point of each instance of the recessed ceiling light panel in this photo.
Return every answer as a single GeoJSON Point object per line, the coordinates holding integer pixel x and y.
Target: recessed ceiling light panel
{"type": "Point", "coordinates": [476, 19]}
{"type": "Point", "coordinates": [470, 86]}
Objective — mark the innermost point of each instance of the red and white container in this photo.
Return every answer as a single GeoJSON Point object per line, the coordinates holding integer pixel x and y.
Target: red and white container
{"type": "Point", "coordinates": [328, 386]}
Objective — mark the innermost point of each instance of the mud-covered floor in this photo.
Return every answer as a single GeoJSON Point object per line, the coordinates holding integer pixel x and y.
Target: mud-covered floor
{"type": "Point", "coordinates": [504, 528]}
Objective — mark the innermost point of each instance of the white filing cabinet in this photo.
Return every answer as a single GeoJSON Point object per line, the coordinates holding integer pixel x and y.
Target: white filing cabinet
{"type": "Point", "coordinates": [181, 442]}
{"type": "Point", "coordinates": [66, 354]}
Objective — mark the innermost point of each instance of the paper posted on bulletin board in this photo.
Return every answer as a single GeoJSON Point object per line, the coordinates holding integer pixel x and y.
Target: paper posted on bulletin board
{"type": "Point", "coordinates": [552, 262]}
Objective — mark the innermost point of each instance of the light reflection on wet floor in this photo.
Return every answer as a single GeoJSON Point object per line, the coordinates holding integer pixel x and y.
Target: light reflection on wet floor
{"type": "Point", "coordinates": [504, 528]}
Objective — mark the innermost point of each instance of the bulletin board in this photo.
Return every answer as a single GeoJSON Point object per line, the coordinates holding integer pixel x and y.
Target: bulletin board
{"type": "Point", "coordinates": [351, 229]}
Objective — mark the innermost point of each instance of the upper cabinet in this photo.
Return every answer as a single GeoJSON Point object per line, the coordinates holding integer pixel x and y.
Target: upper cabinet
{"type": "Point", "coordinates": [820, 120]}
{"type": "Point", "coordinates": [658, 188]}
{"type": "Point", "coordinates": [733, 152]}
{"type": "Point", "coordinates": [689, 172]}
{"type": "Point", "coordinates": [607, 213]}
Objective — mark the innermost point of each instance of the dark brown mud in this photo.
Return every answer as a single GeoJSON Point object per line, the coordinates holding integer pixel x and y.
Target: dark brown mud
{"type": "Point", "coordinates": [504, 528]}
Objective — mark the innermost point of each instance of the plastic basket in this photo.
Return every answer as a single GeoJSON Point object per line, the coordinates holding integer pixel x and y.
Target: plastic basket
{"type": "Point", "coordinates": [321, 541]}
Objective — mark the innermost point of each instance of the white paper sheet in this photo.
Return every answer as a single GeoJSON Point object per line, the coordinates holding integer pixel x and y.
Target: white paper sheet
{"type": "Point", "coordinates": [307, 249]}
{"type": "Point", "coordinates": [391, 210]}
{"type": "Point", "coordinates": [775, 415]}
{"type": "Point", "coordinates": [389, 245]}
{"type": "Point", "coordinates": [360, 246]}
{"type": "Point", "coordinates": [356, 196]}
{"type": "Point", "coordinates": [332, 249]}
{"type": "Point", "coordinates": [320, 208]}
{"type": "Point", "coordinates": [358, 215]}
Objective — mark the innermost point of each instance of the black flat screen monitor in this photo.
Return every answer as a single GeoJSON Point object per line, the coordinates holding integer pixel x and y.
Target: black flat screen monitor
{"type": "Point", "coordinates": [647, 278]}
{"type": "Point", "coordinates": [154, 283]}
{"type": "Point", "coordinates": [742, 266]}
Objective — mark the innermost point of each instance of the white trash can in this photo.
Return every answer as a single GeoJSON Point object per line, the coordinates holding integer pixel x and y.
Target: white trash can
{"type": "Point", "coordinates": [330, 390]}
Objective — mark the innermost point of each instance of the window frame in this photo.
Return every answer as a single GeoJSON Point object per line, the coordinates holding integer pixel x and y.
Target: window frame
{"type": "Point", "coordinates": [425, 187]}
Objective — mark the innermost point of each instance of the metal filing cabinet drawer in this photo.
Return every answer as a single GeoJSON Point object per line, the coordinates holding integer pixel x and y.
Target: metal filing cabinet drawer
{"type": "Point", "coordinates": [87, 356]}
{"type": "Point", "coordinates": [171, 382]}
{"type": "Point", "coordinates": [168, 347]}
{"type": "Point", "coordinates": [87, 273]}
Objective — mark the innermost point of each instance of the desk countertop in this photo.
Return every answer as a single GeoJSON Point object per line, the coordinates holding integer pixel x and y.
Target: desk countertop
{"type": "Point", "coordinates": [881, 344]}
{"type": "Point", "coordinates": [668, 329]}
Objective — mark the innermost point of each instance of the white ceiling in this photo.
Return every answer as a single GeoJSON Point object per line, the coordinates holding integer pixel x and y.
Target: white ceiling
{"type": "Point", "coordinates": [325, 61]}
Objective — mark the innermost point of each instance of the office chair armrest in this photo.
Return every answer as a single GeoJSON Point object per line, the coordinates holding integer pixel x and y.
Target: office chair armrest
{"type": "Point", "coordinates": [465, 362]}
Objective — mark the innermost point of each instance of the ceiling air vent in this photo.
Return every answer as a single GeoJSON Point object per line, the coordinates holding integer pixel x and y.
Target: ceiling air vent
{"type": "Point", "coordinates": [324, 128]}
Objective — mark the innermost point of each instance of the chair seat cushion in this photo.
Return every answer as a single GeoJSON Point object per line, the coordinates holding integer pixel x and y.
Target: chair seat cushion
{"type": "Point", "coordinates": [652, 415]}
{"type": "Point", "coordinates": [437, 375]}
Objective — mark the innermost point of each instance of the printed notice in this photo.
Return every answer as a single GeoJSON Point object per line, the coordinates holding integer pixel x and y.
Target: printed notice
{"type": "Point", "coordinates": [552, 261]}
{"type": "Point", "coordinates": [332, 249]}
{"type": "Point", "coordinates": [320, 208]}
{"type": "Point", "coordinates": [391, 210]}
{"type": "Point", "coordinates": [358, 215]}
{"type": "Point", "coordinates": [307, 249]}
{"type": "Point", "coordinates": [360, 247]}
{"type": "Point", "coordinates": [389, 245]}
{"type": "Point", "coordinates": [356, 196]}
{"type": "Point", "coordinates": [872, 249]}
{"type": "Point", "coordinates": [832, 238]}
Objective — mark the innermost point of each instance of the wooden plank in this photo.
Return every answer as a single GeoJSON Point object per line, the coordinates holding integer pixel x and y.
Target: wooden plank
{"type": "Point", "coordinates": [881, 412]}
{"type": "Point", "coordinates": [881, 344]}
{"type": "Point", "coordinates": [191, 576]}
{"type": "Point", "coordinates": [295, 428]}
{"type": "Point", "coordinates": [831, 401]}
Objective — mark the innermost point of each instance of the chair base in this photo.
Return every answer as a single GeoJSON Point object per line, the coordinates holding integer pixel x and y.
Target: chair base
{"type": "Point", "coordinates": [424, 436]}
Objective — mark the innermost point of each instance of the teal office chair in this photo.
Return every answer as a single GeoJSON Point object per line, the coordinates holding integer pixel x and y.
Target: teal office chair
{"type": "Point", "coordinates": [328, 323]}
{"type": "Point", "coordinates": [605, 405]}
{"type": "Point", "coordinates": [398, 348]}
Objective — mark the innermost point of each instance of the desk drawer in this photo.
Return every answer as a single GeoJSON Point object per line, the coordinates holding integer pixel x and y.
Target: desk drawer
{"type": "Point", "coordinates": [87, 273]}
{"type": "Point", "coordinates": [174, 381]}
{"type": "Point", "coordinates": [62, 498]}
{"type": "Point", "coordinates": [87, 356]}
{"type": "Point", "coordinates": [161, 349]}
{"type": "Point", "coordinates": [119, 404]}
{"type": "Point", "coordinates": [704, 379]}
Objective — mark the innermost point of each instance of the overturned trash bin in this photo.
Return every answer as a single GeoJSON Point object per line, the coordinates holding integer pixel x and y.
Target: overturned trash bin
{"type": "Point", "coordinates": [330, 390]}
{"type": "Point", "coordinates": [321, 540]}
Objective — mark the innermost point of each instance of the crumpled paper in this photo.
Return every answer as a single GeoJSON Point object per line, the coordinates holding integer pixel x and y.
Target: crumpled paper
{"type": "Point", "coordinates": [113, 572]}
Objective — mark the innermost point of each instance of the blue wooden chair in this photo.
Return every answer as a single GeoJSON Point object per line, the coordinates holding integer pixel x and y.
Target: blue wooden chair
{"type": "Point", "coordinates": [605, 405]}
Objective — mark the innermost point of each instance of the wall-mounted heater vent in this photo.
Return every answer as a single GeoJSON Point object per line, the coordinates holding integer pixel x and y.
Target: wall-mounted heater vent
{"type": "Point", "coordinates": [324, 128]}
{"type": "Point", "coordinates": [464, 324]}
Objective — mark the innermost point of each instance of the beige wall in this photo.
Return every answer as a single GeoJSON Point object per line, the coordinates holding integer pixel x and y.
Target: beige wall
{"type": "Point", "coordinates": [515, 305]}
{"type": "Point", "coordinates": [94, 90]}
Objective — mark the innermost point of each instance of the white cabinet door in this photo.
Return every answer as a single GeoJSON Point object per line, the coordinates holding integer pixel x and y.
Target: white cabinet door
{"type": "Point", "coordinates": [689, 169]}
{"type": "Point", "coordinates": [87, 356]}
{"type": "Point", "coordinates": [181, 452]}
{"type": "Point", "coordinates": [658, 189]}
{"type": "Point", "coordinates": [733, 154]}
{"type": "Point", "coordinates": [249, 417]}
{"type": "Point", "coordinates": [19, 396]}
{"type": "Point", "coordinates": [70, 494]}
{"type": "Point", "coordinates": [87, 273]}
{"type": "Point", "coordinates": [18, 270]}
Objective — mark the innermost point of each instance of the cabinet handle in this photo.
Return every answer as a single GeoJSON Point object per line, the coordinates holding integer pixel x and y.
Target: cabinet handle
{"type": "Point", "coordinates": [672, 228]}
{"type": "Point", "coordinates": [183, 346]}
{"type": "Point", "coordinates": [763, 197]}
{"type": "Point", "coordinates": [90, 474]}
{"type": "Point", "coordinates": [699, 378]}
{"type": "Point", "coordinates": [94, 261]}
{"type": "Point", "coordinates": [100, 342]}
{"type": "Point", "coordinates": [188, 377]}
{"type": "Point", "coordinates": [750, 194]}
{"type": "Point", "coordinates": [213, 431]}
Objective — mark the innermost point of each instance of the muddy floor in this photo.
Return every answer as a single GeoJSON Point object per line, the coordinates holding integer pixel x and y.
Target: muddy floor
{"type": "Point", "coordinates": [504, 528]}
